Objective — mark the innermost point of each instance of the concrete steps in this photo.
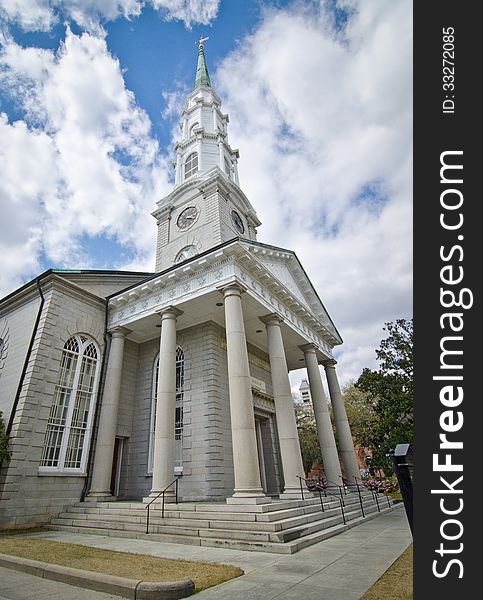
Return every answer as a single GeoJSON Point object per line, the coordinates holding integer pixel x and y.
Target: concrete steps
{"type": "Point", "coordinates": [281, 526]}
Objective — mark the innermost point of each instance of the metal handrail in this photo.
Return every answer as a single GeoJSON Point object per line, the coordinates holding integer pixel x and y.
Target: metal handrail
{"type": "Point", "coordinates": [360, 497]}
{"type": "Point", "coordinates": [375, 495]}
{"type": "Point", "coordinates": [341, 501]}
{"type": "Point", "coordinates": [345, 483]}
{"type": "Point", "coordinates": [342, 504]}
{"type": "Point", "coordinates": [162, 493]}
{"type": "Point", "coordinates": [339, 486]}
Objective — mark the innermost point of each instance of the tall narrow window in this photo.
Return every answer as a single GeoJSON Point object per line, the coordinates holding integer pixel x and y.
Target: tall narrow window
{"type": "Point", "coordinates": [193, 127]}
{"type": "Point", "coordinates": [228, 167]}
{"type": "Point", "coordinates": [69, 426]}
{"type": "Point", "coordinates": [178, 420]}
{"type": "Point", "coordinates": [191, 165]}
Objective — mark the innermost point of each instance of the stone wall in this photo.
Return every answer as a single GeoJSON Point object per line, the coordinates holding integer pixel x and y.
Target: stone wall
{"type": "Point", "coordinates": [207, 448]}
{"type": "Point", "coordinates": [16, 328]}
{"type": "Point", "coordinates": [27, 497]}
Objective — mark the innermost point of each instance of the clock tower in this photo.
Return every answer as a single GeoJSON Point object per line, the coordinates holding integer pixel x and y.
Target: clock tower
{"type": "Point", "coordinates": [207, 206]}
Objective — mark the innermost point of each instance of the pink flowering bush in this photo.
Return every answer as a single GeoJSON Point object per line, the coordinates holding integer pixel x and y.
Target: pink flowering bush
{"type": "Point", "coordinates": [314, 485]}
{"type": "Point", "coordinates": [384, 486]}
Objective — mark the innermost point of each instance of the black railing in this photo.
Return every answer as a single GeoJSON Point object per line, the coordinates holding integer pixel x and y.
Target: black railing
{"type": "Point", "coordinates": [319, 490]}
{"type": "Point", "coordinates": [375, 495]}
{"type": "Point", "coordinates": [162, 493]}
{"type": "Point", "coordinates": [342, 488]}
{"type": "Point", "coordinates": [360, 497]}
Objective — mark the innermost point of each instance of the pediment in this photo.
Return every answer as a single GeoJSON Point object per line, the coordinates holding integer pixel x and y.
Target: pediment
{"type": "Point", "coordinates": [282, 272]}
{"type": "Point", "coordinates": [285, 268]}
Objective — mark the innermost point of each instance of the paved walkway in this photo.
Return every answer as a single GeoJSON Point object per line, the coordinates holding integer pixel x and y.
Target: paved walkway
{"type": "Point", "coordinates": [340, 568]}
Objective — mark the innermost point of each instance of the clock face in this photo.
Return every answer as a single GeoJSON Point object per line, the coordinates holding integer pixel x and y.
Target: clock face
{"type": "Point", "coordinates": [237, 221]}
{"type": "Point", "coordinates": [187, 218]}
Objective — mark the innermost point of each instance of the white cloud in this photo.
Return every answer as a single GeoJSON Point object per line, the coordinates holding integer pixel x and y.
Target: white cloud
{"type": "Point", "coordinates": [190, 12]}
{"type": "Point", "coordinates": [83, 163]}
{"type": "Point", "coordinates": [33, 15]}
{"type": "Point", "coordinates": [40, 15]}
{"type": "Point", "coordinates": [320, 116]}
{"type": "Point", "coordinates": [26, 178]}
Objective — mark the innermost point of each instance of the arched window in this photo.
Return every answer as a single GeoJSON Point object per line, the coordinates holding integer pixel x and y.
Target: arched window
{"type": "Point", "coordinates": [228, 167]}
{"type": "Point", "coordinates": [178, 422]}
{"type": "Point", "coordinates": [193, 127]}
{"type": "Point", "coordinates": [70, 421]}
{"type": "Point", "coordinates": [191, 165]}
{"type": "Point", "coordinates": [185, 253]}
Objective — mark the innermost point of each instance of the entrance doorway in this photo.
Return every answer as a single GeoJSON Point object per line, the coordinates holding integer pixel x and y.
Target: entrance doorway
{"type": "Point", "coordinates": [116, 466]}
{"type": "Point", "coordinates": [261, 457]}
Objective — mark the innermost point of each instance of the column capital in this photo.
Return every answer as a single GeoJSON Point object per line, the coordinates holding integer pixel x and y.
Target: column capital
{"type": "Point", "coordinates": [272, 319]}
{"type": "Point", "coordinates": [329, 364]}
{"type": "Point", "coordinates": [169, 312]}
{"type": "Point", "coordinates": [232, 289]}
{"type": "Point", "coordinates": [118, 332]}
{"type": "Point", "coordinates": [308, 348]}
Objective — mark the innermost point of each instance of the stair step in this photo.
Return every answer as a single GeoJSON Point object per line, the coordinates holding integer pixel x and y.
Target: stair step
{"type": "Point", "coordinates": [315, 532]}
{"type": "Point", "coordinates": [282, 526]}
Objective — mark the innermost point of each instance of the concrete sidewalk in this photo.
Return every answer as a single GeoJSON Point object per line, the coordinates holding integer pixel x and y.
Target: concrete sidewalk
{"type": "Point", "coordinates": [340, 568]}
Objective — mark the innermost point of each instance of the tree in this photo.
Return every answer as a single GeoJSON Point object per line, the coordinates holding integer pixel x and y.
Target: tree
{"type": "Point", "coordinates": [308, 438]}
{"type": "Point", "coordinates": [361, 414]}
{"type": "Point", "coordinates": [390, 391]}
{"type": "Point", "coordinates": [4, 452]}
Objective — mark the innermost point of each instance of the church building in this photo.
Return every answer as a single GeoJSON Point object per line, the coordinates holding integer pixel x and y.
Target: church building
{"type": "Point", "coordinates": [114, 384]}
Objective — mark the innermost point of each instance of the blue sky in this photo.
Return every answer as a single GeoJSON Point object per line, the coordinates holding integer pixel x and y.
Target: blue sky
{"type": "Point", "coordinates": [319, 97]}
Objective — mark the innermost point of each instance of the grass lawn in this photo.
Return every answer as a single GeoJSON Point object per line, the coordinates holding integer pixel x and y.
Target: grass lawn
{"type": "Point", "coordinates": [397, 581]}
{"type": "Point", "coordinates": [122, 564]}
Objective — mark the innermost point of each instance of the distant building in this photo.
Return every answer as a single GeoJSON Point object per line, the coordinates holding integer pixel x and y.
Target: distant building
{"type": "Point", "coordinates": [304, 390]}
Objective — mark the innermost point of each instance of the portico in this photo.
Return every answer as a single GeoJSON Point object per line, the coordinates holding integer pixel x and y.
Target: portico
{"type": "Point", "coordinates": [235, 316]}
{"type": "Point", "coordinates": [137, 378]}
{"type": "Point", "coordinates": [260, 331]}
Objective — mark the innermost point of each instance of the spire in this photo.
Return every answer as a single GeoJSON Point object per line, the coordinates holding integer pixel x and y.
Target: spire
{"type": "Point", "coordinates": [202, 76]}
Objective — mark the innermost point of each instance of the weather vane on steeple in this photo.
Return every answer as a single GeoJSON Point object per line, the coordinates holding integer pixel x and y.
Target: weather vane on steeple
{"type": "Point", "coordinates": [201, 41]}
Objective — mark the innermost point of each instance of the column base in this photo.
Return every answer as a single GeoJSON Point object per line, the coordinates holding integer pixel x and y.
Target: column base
{"type": "Point", "coordinates": [295, 494]}
{"type": "Point", "coordinates": [100, 497]}
{"type": "Point", "coordinates": [169, 498]}
{"type": "Point", "coordinates": [249, 500]}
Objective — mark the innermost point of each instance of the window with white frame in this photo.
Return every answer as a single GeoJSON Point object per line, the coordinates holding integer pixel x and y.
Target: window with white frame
{"type": "Point", "coordinates": [193, 127]}
{"type": "Point", "coordinates": [70, 421]}
{"type": "Point", "coordinates": [185, 253]}
{"type": "Point", "coordinates": [178, 423]}
{"type": "Point", "coordinates": [228, 167]}
{"type": "Point", "coordinates": [191, 165]}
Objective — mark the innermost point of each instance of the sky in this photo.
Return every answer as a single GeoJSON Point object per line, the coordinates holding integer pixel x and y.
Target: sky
{"type": "Point", "coordinates": [320, 102]}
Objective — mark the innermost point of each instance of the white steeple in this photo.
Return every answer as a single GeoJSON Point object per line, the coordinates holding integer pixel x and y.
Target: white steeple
{"type": "Point", "coordinates": [207, 206]}
{"type": "Point", "coordinates": [204, 141]}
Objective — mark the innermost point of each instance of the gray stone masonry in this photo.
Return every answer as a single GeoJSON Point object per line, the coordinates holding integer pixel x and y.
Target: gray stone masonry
{"type": "Point", "coordinates": [28, 498]}
{"type": "Point", "coordinates": [207, 450]}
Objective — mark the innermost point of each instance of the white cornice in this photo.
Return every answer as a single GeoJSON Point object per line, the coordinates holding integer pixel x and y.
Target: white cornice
{"type": "Point", "coordinates": [210, 181]}
{"type": "Point", "coordinates": [211, 271]}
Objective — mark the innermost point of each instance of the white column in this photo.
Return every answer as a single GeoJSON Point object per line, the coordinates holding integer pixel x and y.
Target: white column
{"type": "Point", "coordinates": [185, 129]}
{"type": "Point", "coordinates": [245, 455]}
{"type": "Point", "coordinates": [200, 155]}
{"type": "Point", "coordinates": [164, 442]}
{"type": "Point", "coordinates": [235, 162]}
{"type": "Point", "coordinates": [221, 154]}
{"type": "Point", "coordinates": [342, 428]}
{"type": "Point", "coordinates": [325, 432]}
{"type": "Point", "coordinates": [106, 434]}
{"type": "Point", "coordinates": [292, 464]}
{"type": "Point", "coordinates": [215, 120]}
{"type": "Point", "coordinates": [177, 173]}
